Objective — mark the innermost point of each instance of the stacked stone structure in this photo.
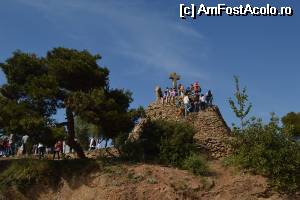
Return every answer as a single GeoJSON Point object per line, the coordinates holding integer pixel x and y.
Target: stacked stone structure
{"type": "Point", "coordinates": [212, 133]}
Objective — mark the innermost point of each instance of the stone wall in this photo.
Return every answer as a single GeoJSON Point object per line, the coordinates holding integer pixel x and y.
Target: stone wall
{"type": "Point", "coordinates": [212, 133]}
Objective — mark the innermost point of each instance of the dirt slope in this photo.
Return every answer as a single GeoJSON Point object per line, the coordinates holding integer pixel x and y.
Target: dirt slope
{"type": "Point", "coordinates": [143, 181]}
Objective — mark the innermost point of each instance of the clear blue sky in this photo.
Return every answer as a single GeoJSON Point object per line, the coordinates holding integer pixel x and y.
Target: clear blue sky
{"type": "Point", "coordinates": [141, 42]}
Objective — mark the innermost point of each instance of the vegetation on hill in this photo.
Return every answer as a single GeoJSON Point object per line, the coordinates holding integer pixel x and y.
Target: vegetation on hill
{"type": "Point", "coordinates": [65, 79]}
{"type": "Point", "coordinates": [265, 149]}
{"type": "Point", "coordinates": [292, 120]}
{"type": "Point", "coordinates": [240, 104]}
{"type": "Point", "coordinates": [268, 149]}
{"type": "Point", "coordinates": [165, 142]}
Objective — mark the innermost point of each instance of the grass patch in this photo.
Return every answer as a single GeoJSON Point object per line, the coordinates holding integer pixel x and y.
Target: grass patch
{"type": "Point", "coordinates": [196, 164]}
{"type": "Point", "coordinates": [152, 180]}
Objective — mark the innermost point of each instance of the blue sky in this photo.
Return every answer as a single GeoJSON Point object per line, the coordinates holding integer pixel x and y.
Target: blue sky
{"type": "Point", "coordinates": [141, 42]}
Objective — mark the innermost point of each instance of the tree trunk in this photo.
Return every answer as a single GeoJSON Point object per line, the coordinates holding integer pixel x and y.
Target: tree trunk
{"type": "Point", "coordinates": [71, 134]}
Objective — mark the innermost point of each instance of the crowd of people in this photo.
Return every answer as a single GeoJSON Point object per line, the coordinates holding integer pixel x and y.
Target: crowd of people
{"type": "Point", "coordinates": [14, 146]}
{"type": "Point", "coordinates": [11, 146]}
{"type": "Point", "coordinates": [191, 97]}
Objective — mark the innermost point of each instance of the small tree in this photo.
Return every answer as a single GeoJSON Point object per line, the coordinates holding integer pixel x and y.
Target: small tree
{"type": "Point", "coordinates": [292, 120]}
{"type": "Point", "coordinates": [241, 107]}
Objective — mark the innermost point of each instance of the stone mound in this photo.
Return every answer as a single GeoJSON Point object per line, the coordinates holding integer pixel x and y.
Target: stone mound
{"type": "Point", "coordinates": [212, 133]}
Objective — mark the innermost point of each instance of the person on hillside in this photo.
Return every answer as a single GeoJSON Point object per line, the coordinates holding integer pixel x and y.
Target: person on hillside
{"type": "Point", "coordinates": [202, 102]}
{"type": "Point", "coordinates": [186, 102]}
{"type": "Point", "coordinates": [173, 95]}
{"type": "Point", "coordinates": [192, 89]}
{"type": "Point", "coordinates": [209, 98]}
{"type": "Point", "coordinates": [178, 88]}
{"type": "Point", "coordinates": [181, 90]}
{"type": "Point", "coordinates": [25, 144]}
{"type": "Point", "coordinates": [57, 149]}
{"type": "Point", "coordinates": [93, 144]}
{"type": "Point", "coordinates": [166, 95]}
{"type": "Point", "coordinates": [197, 89]}
{"type": "Point", "coordinates": [161, 96]}
{"type": "Point", "coordinates": [6, 147]}
{"type": "Point", "coordinates": [11, 144]}
{"type": "Point", "coordinates": [187, 91]}
{"type": "Point", "coordinates": [196, 102]}
{"type": "Point", "coordinates": [41, 150]}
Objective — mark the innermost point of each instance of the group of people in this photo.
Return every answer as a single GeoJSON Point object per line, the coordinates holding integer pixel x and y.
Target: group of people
{"type": "Point", "coordinates": [14, 146]}
{"type": "Point", "coordinates": [6, 146]}
{"type": "Point", "coordinates": [97, 143]}
{"type": "Point", "coordinates": [10, 146]}
{"type": "Point", "coordinates": [190, 97]}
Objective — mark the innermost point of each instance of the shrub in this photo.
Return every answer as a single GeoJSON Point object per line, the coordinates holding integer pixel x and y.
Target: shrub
{"type": "Point", "coordinates": [266, 149]}
{"type": "Point", "coordinates": [196, 164]}
{"type": "Point", "coordinates": [163, 141]}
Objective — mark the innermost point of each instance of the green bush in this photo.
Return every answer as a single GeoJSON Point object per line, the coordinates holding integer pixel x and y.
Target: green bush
{"type": "Point", "coordinates": [162, 141]}
{"type": "Point", "coordinates": [266, 149]}
{"type": "Point", "coordinates": [292, 119]}
{"type": "Point", "coordinates": [196, 164]}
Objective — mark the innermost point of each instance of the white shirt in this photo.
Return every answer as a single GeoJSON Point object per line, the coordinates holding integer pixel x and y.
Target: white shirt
{"type": "Point", "coordinates": [24, 139]}
{"type": "Point", "coordinates": [91, 142]}
{"type": "Point", "coordinates": [11, 136]}
{"type": "Point", "coordinates": [186, 100]}
{"type": "Point", "coordinates": [203, 98]}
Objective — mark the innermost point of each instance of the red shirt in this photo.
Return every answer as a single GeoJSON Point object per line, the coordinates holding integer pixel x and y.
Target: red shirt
{"type": "Point", "coordinates": [58, 146]}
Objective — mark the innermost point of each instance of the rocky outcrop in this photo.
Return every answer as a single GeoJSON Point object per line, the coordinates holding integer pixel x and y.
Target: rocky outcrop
{"type": "Point", "coordinates": [212, 133]}
{"type": "Point", "coordinates": [138, 129]}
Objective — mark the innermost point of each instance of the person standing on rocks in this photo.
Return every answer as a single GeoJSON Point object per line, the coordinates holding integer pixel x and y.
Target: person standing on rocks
{"type": "Point", "coordinates": [166, 95]}
{"type": "Point", "coordinates": [202, 102]}
{"type": "Point", "coordinates": [196, 102]}
{"type": "Point", "coordinates": [173, 95]}
{"type": "Point", "coordinates": [186, 102]}
{"type": "Point", "coordinates": [181, 90]}
{"type": "Point", "coordinates": [209, 98]}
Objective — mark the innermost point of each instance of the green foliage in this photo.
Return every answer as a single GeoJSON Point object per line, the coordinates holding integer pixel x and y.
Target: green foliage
{"type": "Point", "coordinates": [239, 106]}
{"type": "Point", "coordinates": [84, 130]}
{"type": "Point", "coordinates": [106, 109]}
{"type": "Point", "coordinates": [292, 120]}
{"type": "Point", "coordinates": [137, 113]}
{"type": "Point", "coordinates": [163, 141]}
{"type": "Point", "coordinates": [265, 149]}
{"type": "Point", "coordinates": [130, 149]}
{"type": "Point", "coordinates": [58, 133]}
{"type": "Point", "coordinates": [65, 78]}
{"type": "Point", "coordinates": [196, 164]}
{"type": "Point", "coordinates": [76, 70]}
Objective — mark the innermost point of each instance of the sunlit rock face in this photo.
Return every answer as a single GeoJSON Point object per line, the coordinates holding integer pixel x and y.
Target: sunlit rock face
{"type": "Point", "coordinates": [212, 133]}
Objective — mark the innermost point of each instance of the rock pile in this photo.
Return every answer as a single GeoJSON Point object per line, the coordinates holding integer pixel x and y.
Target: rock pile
{"type": "Point", "coordinates": [138, 129]}
{"type": "Point", "coordinates": [212, 133]}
